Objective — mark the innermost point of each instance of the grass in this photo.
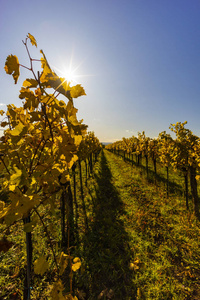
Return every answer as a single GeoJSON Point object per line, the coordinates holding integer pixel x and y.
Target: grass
{"type": "Point", "coordinates": [139, 244]}
{"type": "Point", "coordinates": [105, 248]}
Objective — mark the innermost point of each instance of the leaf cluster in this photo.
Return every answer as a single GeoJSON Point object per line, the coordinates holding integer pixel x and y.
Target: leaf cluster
{"type": "Point", "coordinates": [39, 146]}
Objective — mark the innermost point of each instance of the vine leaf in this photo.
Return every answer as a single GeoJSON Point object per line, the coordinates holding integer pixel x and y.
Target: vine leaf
{"type": "Point", "coordinates": [16, 177]}
{"type": "Point", "coordinates": [41, 265]}
{"type": "Point", "coordinates": [4, 124]}
{"type": "Point", "coordinates": [2, 205]}
{"type": "Point", "coordinates": [77, 264]}
{"type": "Point", "coordinates": [56, 292]}
{"type": "Point", "coordinates": [77, 91]}
{"type": "Point", "coordinates": [20, 206]}
{"type": "Point", "coordinates": [12, 66]}
{"type": "Point", "coordinates": [5, 245]}
{"type": "Point", "coordinates": [28, 227]}
{"type": "Point", "coordinates": [32, 39]}
{"type": "Point", "coordinates": [17, 130]}
{"type": "Point", "coordinates": [63, 262]}
{"type": "Point", "coordinates": [31, 83]}
{"type": "Point", "coordinates": [61, 85]}
{"type": "Point", "coordinates": [65, 177]}
{"type": "Point", "coordinates": [45, 66]}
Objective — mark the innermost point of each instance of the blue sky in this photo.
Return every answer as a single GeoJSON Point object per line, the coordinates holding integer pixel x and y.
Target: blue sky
{"type": "Point", "coordinates": [140, 59]}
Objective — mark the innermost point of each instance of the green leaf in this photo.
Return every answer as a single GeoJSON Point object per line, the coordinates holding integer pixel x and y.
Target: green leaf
{"type": "Point", "coordinates": [41, 265]}
{"type": "Point", "coordinates": [32, 39]}
{"type": "Point", "coordinates": [12, 67]}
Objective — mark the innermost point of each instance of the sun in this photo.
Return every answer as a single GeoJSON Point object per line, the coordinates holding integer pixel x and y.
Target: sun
{"type": "Point", "coordinates": [70, 75]}
{"type": "Point", "coordinates": [70, 72]}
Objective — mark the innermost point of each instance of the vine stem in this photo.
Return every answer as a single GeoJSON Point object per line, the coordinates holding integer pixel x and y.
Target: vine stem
{"type": "Point", "coordinates": [30, 58]}
{"type": "Point", "coordinates": [29, 251]}
{"type": "Point", "coordinates": [71, 272]}
{"type": "Point", "coordinates": [4, 163]}
{"type": "Point", "coordinates": [25, 67]}
{"type": "Point", "coordinates": [47, 233]}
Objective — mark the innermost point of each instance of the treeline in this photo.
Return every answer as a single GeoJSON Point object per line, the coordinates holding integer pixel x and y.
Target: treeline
{"type": "Point", "coordinates": [181, 153]}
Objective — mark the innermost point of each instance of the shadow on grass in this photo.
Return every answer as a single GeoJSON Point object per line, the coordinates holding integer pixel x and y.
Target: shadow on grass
{"type": "Point", "coordinates": [106, 246]}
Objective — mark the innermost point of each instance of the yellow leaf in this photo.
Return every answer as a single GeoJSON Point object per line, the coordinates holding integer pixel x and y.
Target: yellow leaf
{"type": "Point", "coordinates": [59, 84]}
{"type": "Point", "coordinates": [25, 93]}
{"type": "Point", "coordinates": [51, 80]}
{"type": "Point", "coordinates": [16, 177]}
{"type": "Point", "coordinates": [46, 68]}
{"type": "Point", "coordinates": [31, 100]}
{"type": "Point", "coordinates": [77, 264]}
{"type": "Point", "coordinates": [2, 205]}
{"type": "Point", "coordinates": [78, 139]}
{"type": "Point", "coordinates": [4, 124]}
{"type": "Point", "coordinates": [17, 130]}
{"type": "Point", "coordinates": [65, 177]}
{"type": "Point", "coordinates": [12, 66]}
{"type": "Point", "coordinates": [12, 187]}
{"type": "Point", "coordinates": [41, 265]}
{"type": "Point", "coordinates": [33, 180]}
{"type": "Point", "coordinates": [31, 83]}
{"type": "Point", "coordinates": [20, 206]}
{"type": "Point", "coordinates": [32, 39]}
{"type": "Point", "coordinates": [77, 91]}
{"type": "Point", "coordinates": [63, 262]}
{"type": "Point", "coordinates": [28, 227]}
{"type": "Point", "coordinates": [5, 245]}
{"type": "Point", "coordinates": [35, 116]}
{"type": "Point", "coordinates": [56, 292]}
{"type": "Point", "coordinates": [2, 112]}
{"type": "Point", "coordinates": [45, 99]}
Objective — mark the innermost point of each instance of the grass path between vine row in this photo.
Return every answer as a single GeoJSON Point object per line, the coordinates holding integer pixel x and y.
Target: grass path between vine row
{"type": "Point", "coordinates": [140, 245]}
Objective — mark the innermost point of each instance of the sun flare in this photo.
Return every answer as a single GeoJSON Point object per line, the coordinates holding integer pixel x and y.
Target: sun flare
{"type": "Point", "coordinates": [70, 72]}
{"type": "Point", "coordinates": [69, 75]}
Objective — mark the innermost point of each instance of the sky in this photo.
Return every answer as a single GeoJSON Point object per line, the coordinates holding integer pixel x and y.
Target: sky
{"type": "Point", "coordinates": [138, 60]}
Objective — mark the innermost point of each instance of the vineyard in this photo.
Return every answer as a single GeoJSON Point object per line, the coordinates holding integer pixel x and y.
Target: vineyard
{"type": "Point", "coordinates": [81, 221]}
{"type": "Point", "coordinates": [181, 154]}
